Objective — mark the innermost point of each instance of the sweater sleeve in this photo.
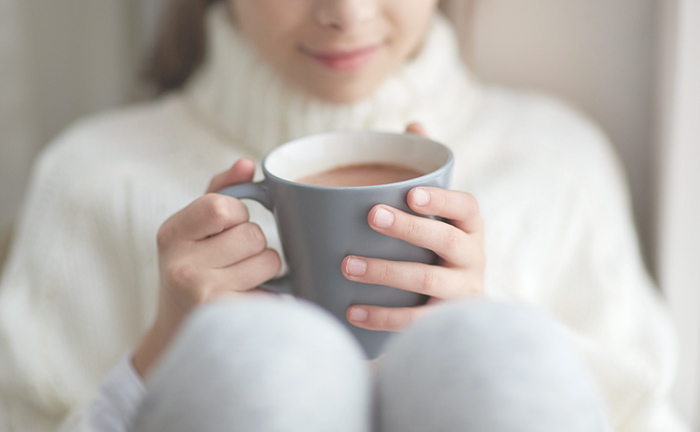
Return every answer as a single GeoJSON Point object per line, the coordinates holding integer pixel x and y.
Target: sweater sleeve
{"type": "Point", "coordinates": [599, 287]}
{"type": "Point", "coordinates": [72, 299]}
{"type": "Point", "coordinates": [113, 409]}
{"type": "Point", "coordinates": [120, 396]}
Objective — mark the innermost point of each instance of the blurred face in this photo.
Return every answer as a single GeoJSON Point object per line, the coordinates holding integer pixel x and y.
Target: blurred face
{"type": "Point", "coordinates": [337, 50]}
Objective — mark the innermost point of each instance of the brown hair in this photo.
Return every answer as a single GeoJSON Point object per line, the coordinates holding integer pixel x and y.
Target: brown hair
{"type": "Point", "coordinates": [180, 44]}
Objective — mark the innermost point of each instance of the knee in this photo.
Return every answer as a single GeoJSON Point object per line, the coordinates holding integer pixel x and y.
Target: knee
{"type": "Point", "coordinates": [476, 325]}
{"type": "Point", "coordinates": [482, 339]}
{"type": "Point", "coordinates": [250, 331]}
{"type": "Point", "coordinates": [470, 358]}
{"type": "Point", "coordinates": [260, 323]}
{"type": "Point", "coordinates": [257, 364]}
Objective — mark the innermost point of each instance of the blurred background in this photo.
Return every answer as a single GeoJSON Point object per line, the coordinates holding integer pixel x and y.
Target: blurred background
{"type": "Point", "coordinates": [631, 65]}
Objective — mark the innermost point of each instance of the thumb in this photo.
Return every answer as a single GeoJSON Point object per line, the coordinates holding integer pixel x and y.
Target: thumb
{"type": "Point", "coordinates": [416, 128]}
{"type": "Point", "coordinates": [242, 171]}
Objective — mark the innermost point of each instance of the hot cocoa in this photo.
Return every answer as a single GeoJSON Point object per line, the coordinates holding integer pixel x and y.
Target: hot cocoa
{"type": "Point", "coordinates": [363, 174]}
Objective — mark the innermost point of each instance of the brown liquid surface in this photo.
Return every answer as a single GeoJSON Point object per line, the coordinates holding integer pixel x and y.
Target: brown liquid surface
{"type": "Point", "coordinates": [364, 174]}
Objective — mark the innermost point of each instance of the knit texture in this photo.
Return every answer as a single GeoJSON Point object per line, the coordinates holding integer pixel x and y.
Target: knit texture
{"type": "Point", "coordinates": [81, 282]}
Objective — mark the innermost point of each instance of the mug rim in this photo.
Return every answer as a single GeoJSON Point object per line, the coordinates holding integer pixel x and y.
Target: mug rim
{"type": "Point", "coordinates": [446, 165]}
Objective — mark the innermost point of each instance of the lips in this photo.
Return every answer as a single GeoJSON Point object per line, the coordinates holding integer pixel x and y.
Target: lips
{"type": "Point", "coordinates": [344, 60]}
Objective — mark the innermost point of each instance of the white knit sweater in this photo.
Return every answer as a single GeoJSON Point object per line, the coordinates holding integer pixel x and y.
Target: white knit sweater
{"type": "Point", "coordinates": [81, 283]}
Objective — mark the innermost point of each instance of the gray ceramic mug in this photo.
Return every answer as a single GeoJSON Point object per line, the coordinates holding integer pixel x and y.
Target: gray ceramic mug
{"type": "Point", "coordinates": [320, 225]}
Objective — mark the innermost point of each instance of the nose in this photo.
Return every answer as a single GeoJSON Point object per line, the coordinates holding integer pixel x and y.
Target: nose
{"type": "Point", "coordinates": [344, 15]}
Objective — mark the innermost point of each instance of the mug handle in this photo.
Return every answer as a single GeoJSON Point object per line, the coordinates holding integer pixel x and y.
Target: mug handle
{"type": "Point", "coordinates": [259, 192]}
{"type": "Point", "coordinates": [256, 191]}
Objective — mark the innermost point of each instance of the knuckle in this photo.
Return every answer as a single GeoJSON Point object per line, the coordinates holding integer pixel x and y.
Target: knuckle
{"type": "Point", "coordinates": [180, 273]}
{"type": "Point", "coordinates": [441, 199]}
{"type": "Point", "coordinates": [451, 242]}
{"type": "Point", "coordinates": [429, 282]}
{"type": "Point", "coordinates": [409, 227]}
{"type": "Point", "coordinates": [384, 319]}
{"type": "Point", "coordinates": [219, 208]}
{"type": "Point", "coordinates": [165, 234]}
{"type": "Point", "coordinates": [254, 236]}
{"type": "Point", "coordinates": [384, 273]}
{"type": "Point", "coordinates": [392, 319]}
{"type": "Point", "coordinates": [181, 277]}
{"type": "Point", "coordinates": [272, 261]}
{"type": "Point", "coordinates": [225, 211]}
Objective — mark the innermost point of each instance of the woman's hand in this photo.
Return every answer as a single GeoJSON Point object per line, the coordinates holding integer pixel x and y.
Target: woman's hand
{"type": "Point", "coordinates": [207, 250]}
{"type": "Point", "coordinates": [459, 244]}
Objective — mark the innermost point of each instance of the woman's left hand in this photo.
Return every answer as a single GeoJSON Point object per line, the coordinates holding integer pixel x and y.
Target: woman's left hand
{"type": "Point", "coordinates": [458, 242]}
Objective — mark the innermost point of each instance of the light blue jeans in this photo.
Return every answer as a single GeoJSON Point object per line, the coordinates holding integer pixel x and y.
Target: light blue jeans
{"type": "Point", "coordinates": [269, 365]}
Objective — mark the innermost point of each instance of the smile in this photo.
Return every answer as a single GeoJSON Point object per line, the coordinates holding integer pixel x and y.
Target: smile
{"type": "Point", "coordinates": [344, 60]}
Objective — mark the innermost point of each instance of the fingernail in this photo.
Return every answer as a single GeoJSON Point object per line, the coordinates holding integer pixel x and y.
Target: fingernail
{"type": "Point", "coordinates": [421, 197]}
{"type": "Point", "coordinates": [356, 267]}
{"type": "Point", "coordinates": [358, 314]}
{"type": "Point", "coordinates": [383, 218]}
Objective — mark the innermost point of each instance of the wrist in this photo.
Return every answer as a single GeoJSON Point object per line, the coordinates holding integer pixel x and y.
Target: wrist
{"type": "Point", "coordinates": [153, 343]}
{"type": "Point", "coordinates": [148, 351]}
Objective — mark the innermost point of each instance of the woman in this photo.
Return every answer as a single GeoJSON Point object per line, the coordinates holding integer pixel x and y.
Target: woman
{"type": "Point", "coordinates": [560, 234]}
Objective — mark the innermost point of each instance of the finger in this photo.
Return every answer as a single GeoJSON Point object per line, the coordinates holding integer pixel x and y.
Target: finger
{"type": "Point", "coordinates": [247, 274]}
{"type": "Point", "coordinates": [416, 128]}
{"type": "Point", "coordinates": [433, 281]}
{"type": "Point", "coordinates": [447, 241]}
{"type": "Point", "coordinates": [231, 246]}
{"type": "Point", "coordinates": [208, 215]}
{"type": "Point", "coordinates": [460, 208]}
{"type": "Point", "coordinates": [242, 171]}
{"type": "Point", "coordinates": [382, 318]}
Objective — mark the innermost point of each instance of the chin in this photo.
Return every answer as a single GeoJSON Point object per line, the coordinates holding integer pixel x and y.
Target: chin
{"type": "Point", "coordinates": [342, 94]}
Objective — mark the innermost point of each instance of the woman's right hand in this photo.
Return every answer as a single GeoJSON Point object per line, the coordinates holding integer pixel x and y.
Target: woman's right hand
{"type": "Point", "coordinates": [207, 250]}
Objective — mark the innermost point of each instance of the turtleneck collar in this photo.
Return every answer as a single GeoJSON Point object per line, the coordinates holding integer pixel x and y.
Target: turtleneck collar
{"type": "Point", "coordinates": [239, 95]}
